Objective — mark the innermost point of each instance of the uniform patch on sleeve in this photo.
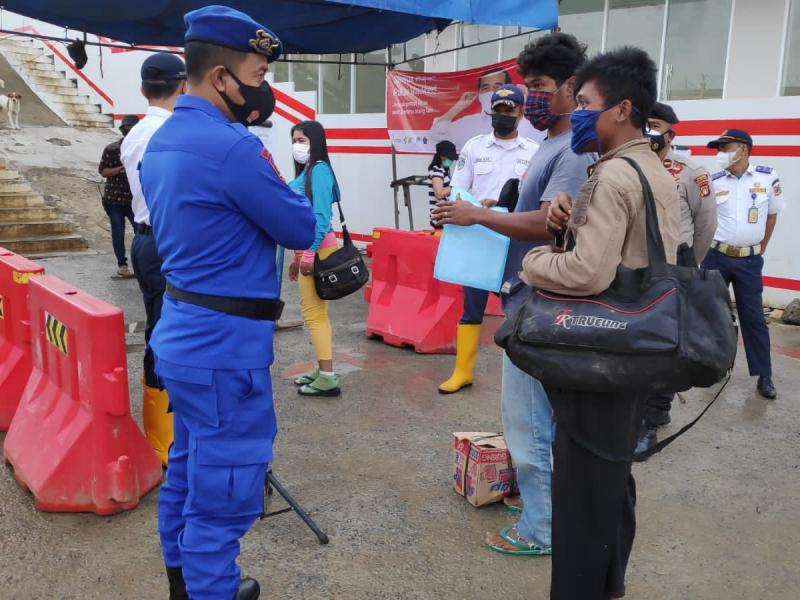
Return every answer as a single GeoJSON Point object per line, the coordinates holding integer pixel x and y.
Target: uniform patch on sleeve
{"type": "Point", "coordinates": [268, 157]}
{"type": "Point", "coordinates": [462, 160]}
{"type": "Point", "coordinates": [776, 188]}
{"type": "Point", "coordinates": [704, 184]}
{"type": "Point", "coordinates": [718, 174]}
{"type": "Point", "coordinates": [764, 169]}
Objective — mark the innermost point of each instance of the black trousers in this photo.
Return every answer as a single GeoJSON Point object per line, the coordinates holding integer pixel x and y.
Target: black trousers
{"type": "Point", "coordinates": [594, 493]}
{"type": "Point", "coordinates": [655, 404]}
{"type": "Point", "coordinates": [147, 266]}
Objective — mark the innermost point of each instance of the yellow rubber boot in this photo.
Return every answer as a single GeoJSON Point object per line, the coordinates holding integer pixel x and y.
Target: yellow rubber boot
{"type": "Point", "coordinates": [157, 421]}
{"type": "Point", "coordinates": [467, 341]}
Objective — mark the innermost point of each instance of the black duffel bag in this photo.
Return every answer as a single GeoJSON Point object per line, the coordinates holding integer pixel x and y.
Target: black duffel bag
{"type": "Point", "coordinates": [344, 271]}
{"type": "Point", "coordinates": [662, 328]}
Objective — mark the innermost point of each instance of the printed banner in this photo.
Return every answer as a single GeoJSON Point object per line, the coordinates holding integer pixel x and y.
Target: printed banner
{"type": "Point", "coordinates": [426, 108]}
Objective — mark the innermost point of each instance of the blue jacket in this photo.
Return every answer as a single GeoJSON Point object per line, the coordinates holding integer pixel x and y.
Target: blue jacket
{"type": "Point", "coordinates": [218, 208]}
{"type": "Point", "coordinates": [323, 192]}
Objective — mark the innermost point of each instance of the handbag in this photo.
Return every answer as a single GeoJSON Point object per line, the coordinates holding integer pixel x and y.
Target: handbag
{"type": "Point", "coordinates": [661, 328]}
{"type": "Point", "coordinates": [344, 271]}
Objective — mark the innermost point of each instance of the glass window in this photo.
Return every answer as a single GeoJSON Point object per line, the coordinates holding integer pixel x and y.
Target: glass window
{"type": "Point", "coordinates": [584, 20]}
{"type": "Point", "coordinates": [336, 84]}
{"type": "Point", "coordinates": [790, 84]}
{"type": "Point", "coordinates": [280, 71]}
{"type": "Point", "coordinates": [511, 47]}
{"type": "Point", "coordinates": [371, 83]}
{"type": "Point", "coordinates": [478, 56]}
{"type": "Point", "coordinates": [694, 63]}
{"type": "Point", "coordinates": [637, 23]}
{"type": "Point", "coordinates": [409, 51]}
{"type": "Point", "coordinates": [306, 75]}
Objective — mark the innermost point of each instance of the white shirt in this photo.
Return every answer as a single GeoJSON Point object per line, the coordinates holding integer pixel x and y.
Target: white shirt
{"type": "Point", "coordinates": [486, 163]}
{"type": "Point", "coordinates": [133, 147]}
{"type": "Point", "coordinates": [759, 188]}
{"type": "Point", "coordinates": [461, 130]}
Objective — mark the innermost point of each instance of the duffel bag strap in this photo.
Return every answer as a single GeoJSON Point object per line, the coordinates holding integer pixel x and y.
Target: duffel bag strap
{"type": "Point", "coordinates": [639, 456]}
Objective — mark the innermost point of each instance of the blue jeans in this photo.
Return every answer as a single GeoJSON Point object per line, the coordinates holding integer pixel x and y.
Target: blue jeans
{"type": "Point", "coordinates": [528, 429]}
{"type": "Point", "coordinates": [147, 268]}
{"type": "Point", "coordinates": [475, 301]}
{"type": "Point", "coordinates": [116, 216]}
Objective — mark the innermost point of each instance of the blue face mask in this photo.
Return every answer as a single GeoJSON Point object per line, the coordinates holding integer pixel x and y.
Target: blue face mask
{"type": "Point", "coordinates": [584, 130]}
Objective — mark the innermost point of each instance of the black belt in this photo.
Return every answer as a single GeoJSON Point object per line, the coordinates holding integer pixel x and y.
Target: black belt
{"type": "Point", "coordinates": [252, 308]}
{"type": "Point", "coordinates": [143, 229]}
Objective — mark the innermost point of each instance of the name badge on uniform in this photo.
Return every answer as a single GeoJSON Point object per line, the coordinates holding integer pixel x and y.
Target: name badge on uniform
{"type": "Point", "coordinates": [752, 215]}
{"type": "Point", "coordinates": [758, 189]}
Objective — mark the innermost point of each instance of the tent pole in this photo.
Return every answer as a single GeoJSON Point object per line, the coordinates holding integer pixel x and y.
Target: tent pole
{"type": "Point", "coordinates": [390, 66]}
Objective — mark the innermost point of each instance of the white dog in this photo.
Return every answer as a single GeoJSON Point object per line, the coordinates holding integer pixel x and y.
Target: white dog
{"type": "Point", "coordinates": [9, 103]}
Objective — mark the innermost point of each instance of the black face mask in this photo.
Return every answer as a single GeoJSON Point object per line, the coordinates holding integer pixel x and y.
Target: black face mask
{"type": "Point", "coordinates": [259, 102]}
{"type": "Point", "coordinates": [657, 141]}
{"type": "Point", "coordinates": [503, 124]}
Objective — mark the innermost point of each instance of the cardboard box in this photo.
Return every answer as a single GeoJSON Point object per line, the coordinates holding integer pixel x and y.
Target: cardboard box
{"type": "Point", "coordinates": [483, 472]}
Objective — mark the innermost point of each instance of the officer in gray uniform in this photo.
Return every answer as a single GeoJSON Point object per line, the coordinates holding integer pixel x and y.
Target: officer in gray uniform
{"type": "Point", "coordinates": [698, 223]}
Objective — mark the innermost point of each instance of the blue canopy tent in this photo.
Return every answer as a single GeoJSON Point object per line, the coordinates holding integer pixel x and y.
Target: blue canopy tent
{"type": "Point", "coordinates": [304, 26]}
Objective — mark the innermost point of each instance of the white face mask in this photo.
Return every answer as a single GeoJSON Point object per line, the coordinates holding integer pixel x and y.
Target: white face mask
{"type": "Point", "coordinates": [485, 100]}
{"type": "Point", "coordinates": [726, 159]}
{"type": "Point", "coordinates": [301, 152]}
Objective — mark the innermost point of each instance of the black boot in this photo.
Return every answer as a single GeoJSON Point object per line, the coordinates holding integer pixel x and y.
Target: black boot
{"type": "Point", "coordinates": [647, 439]}
{"type": "Point", "coordinates": [177, 587]}
{"type": "Point", "coordinates": [766, 388]}
{"type": "Point", "coordinates": [248, 589]}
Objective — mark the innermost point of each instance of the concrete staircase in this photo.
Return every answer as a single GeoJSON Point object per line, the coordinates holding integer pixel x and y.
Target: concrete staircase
{"type": "Point", "coordinates": [27, 225]}
{"type": "Point", "coordinates": [52, 83]}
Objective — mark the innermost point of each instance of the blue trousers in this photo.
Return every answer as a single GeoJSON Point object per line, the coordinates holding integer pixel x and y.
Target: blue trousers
{"type": "Point", "coordinates": [147, 266]}
{"type": "Point", "coordinates": [116, 217]}
{"type": "Point", "coordinates": [528, 429]}
{"type": "Point", "coordinates": [474, 306]}
{"type": "Point", "coordinates": [224, 425]}
{"type": "Point", "coordinates": [745, 276]}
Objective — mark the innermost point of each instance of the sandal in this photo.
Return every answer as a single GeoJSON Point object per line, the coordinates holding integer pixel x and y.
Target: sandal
{"type": "Point", "coordinates": [307, 378]}
{"type": "Point", "coordinates": [321, 386]}
{"type": "Point", "coordinates": [523, 548]}
{"type": "Point", "coordinates": [513, 503]}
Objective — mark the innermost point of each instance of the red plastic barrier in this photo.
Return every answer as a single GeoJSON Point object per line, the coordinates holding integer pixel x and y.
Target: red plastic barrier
{"type": "Point", "coordinates": [408, 307]}
{"type": "Point", "coordinates": [494, 308]}
{"type": "Point", "coordinates": [73, 442]}
{"type": "Point", "coordinates": [15, 334]}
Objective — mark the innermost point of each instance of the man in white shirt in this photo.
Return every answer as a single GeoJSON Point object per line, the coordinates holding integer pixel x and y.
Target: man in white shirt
{"type": "Point", "coordinates": [748, 201]}
{"type": "Point", "coordinates": [485, 164]}
{"type": "Point", "coordinates": [163, 80]}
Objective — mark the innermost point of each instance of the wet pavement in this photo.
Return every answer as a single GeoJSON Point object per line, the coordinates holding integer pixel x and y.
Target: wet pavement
{"type": "Point", "coordinates": [718, 511]}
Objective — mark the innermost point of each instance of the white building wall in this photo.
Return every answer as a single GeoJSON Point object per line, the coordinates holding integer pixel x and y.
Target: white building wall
{"type": "Point", "coordinates": [757, 36]}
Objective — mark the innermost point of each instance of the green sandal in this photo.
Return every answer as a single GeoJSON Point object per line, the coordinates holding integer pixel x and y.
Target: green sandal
{"type": "Point", "coordinates": [510, 503]}
{"type": "Point", "coordinates": [522, 548]}
{"type": "Point", "coordinates": [323, 385]}
{"type": "Point", "coordinates": [307, 378]}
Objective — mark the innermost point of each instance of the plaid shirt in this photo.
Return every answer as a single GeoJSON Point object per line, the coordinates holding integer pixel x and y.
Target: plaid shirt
{"type": "Point", "coordinates": [116, 191]}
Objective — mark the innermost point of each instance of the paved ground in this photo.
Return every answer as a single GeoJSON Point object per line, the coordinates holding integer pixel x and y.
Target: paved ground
{"type": "Point", "coordinates": [718, 512]}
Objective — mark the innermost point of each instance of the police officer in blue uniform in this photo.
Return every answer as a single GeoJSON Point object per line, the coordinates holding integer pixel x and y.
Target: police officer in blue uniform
{"type": "Point", "coordinates": [218, 210]}
{"type": "Point", "coordinates": [748, 199]}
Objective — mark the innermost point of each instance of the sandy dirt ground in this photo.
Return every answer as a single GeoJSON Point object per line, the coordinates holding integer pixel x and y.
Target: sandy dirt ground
{"type": "Point", "coordinates": [718, 512]}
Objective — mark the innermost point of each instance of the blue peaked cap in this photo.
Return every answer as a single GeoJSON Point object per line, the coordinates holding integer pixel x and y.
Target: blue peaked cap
{"type": "Point", "coordinates": [508, 94]}
{"type": "Point", "coordinates": [232, 29]}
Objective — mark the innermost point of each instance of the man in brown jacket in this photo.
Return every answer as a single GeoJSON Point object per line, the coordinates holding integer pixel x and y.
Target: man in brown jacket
{"type": "Point", "coordinates": [593, 490]}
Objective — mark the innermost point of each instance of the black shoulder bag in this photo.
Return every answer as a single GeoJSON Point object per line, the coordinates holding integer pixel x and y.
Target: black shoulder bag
{"type": "Point", "coordinates": [662, 328]}
{"type": "Point", "coordinates": [344, 271]}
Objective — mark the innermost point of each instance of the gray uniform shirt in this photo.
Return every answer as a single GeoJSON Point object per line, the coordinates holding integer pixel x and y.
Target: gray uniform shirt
{"type": "Point", "coordinates": [698, 205]}
{"type": "Point", "coordinates": [554, 168]}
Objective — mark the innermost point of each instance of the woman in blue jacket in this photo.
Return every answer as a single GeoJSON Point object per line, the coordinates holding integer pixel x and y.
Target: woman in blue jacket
{"type": "Point", "coordinates": [314, 177]}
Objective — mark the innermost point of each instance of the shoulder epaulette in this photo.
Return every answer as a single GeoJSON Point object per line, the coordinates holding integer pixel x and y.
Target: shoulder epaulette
{"type": "Point", "coordinates": [767, 170]}
{"type": "Point", "coordinates": [718, 175]}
